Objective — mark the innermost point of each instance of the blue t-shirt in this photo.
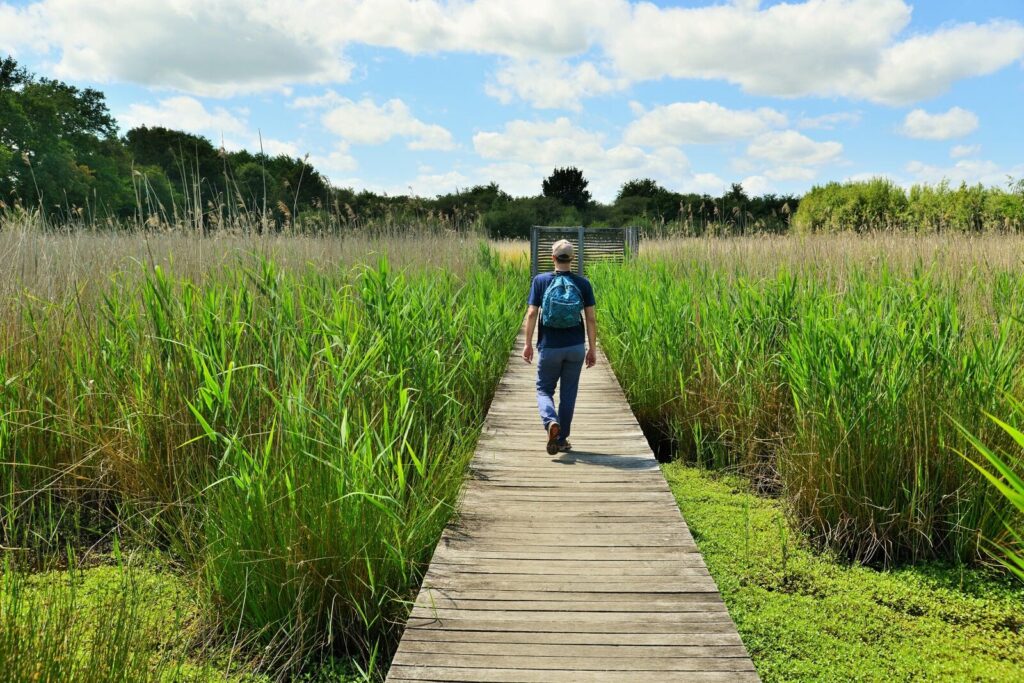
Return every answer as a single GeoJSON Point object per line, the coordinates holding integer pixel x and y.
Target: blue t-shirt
{"type": "Point", "coordinates": [555, 337]}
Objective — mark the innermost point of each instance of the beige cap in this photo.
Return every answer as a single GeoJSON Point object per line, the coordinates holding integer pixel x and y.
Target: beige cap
{"type": "Point", "coordinates": [562, 250]}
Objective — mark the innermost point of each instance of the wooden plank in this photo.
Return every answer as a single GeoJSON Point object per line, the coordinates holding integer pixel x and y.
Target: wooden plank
{"type": "Point", "coordinates": [594, 599]}
{"type": "Point", "coordinates": [493, 675]}
{"type": "Point", "coordinates": [576, 566]}
{"type": "Point", "coordinates": [572, 625]}
{"type": "Point", "coordinates": [583, 663]}
{"type": "Point", "coordinates": [437, 635]}
{"type": "Point", "coordinates": [585, 650]}
{"type": "Point", "coordinates": [577, 607]}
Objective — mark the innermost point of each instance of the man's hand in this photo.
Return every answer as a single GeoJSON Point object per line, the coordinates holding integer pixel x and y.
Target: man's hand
{"type": "Point", "coordinates": [528, 352]}
{"type": "Point", "coordinates": [591, 357]}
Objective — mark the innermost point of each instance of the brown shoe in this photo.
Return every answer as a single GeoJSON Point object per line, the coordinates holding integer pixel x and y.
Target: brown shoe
{"type": "Point", "coordinates": [553, 430]}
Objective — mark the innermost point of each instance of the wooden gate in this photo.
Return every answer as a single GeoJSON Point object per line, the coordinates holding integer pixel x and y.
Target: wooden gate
{"type": "Point", "coordinates": [591, 245]}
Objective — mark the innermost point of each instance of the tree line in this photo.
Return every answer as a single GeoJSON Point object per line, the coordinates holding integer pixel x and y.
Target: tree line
{"type": "Point", "coordinates": [61, 155]}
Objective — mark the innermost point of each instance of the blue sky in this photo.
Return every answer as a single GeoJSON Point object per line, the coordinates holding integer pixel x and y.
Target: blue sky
{"type": "Point", "coordinates": [397, 94]}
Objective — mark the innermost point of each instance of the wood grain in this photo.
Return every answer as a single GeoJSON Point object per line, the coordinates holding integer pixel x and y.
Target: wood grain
{"type": "Point", "coordinates": [574, 567]}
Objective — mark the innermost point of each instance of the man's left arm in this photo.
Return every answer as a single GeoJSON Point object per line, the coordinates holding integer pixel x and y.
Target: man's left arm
{"type": "Point", "coordinates": [591, 318]}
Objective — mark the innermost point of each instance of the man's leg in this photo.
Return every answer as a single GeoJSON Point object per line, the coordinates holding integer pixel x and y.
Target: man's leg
{"type": "Point", "coordinates": [549, 367]}
{"type": "Point", "coordinates": [569, 385]}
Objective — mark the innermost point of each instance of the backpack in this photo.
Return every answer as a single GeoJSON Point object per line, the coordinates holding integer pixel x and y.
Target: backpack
{"type": "Point", "coordinates": [562, 303]}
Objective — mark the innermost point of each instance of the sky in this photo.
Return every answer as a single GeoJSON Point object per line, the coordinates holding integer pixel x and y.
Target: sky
{"type": "Point", "coordinates": [426, 97]}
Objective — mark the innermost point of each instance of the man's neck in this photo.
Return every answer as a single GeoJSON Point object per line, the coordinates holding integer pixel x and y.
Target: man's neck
{"type": "Point", "coordinates": [566, 269]}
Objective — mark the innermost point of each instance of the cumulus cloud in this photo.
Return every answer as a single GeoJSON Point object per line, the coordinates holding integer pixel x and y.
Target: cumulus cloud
{"type": "Point", "coordinates": [790, 148]}
{"type": "Point", "coordinates": [525, 152]}
{"type": "Point", "coordinates": [335, 164]}
{"type": "Point", "coordinates": [700, 122]}
{"type": "Point", "coordinates": [925, 66]}
{"type": "Point", "coordinates": [849, 48]}
{"type": "Point", "coordinates": [208, 48]}
{"type": "Point", "coordinates": [955, 123]}
{"type": "Point", "coordinates": [786, 156]}
{"type": "Point", "coordinates": [819, 47]}
{"type": "Point", "coordinates": [183, 113]}
{"type": "Point", "coordinates": [366, 123]}
{"type": "Point", "coordinates": [961, 151]}
{"type": "Point", "coordinates": [969, 171]}
{"type": "Point", "coordinates": [551, 84]}
{"type": "Point", "coordinates": [223, 127]}
{"type": "Point", "coordinates": [830, 121]}
{"type": "Point", "coordinates": [787, 49]}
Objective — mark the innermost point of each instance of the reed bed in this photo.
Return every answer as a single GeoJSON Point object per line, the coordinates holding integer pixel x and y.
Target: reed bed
{"type": "Point", "coordinates": [287, 419]}
{"type": "Point", "coordinates": [835, 371]}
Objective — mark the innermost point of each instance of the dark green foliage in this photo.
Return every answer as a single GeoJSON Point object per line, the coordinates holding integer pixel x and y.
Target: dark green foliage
{"type": "Point", "coordinates": [568, 186]}
{"type": "Point", "coordinates": [512, 219]}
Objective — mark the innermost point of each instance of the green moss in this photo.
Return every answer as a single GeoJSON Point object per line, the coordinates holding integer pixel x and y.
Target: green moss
{"type": "Point", "coordinates": [138, 621]}
{"type": "Point", "coordinates": [808, 616]}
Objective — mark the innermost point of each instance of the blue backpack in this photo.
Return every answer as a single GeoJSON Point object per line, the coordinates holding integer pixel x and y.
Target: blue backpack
{"type": "Point", "coordinates": [562, 303]}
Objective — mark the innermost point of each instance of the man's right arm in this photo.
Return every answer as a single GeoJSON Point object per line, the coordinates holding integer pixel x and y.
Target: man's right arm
{"type": "Point", "coordinates": [531, 325]}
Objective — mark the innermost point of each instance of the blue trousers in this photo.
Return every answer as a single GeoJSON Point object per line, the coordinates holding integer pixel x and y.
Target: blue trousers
{"type": "Point", "coordinates": [559, 367]}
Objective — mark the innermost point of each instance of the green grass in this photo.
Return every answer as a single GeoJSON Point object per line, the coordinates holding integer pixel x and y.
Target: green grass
{"type": "Point", "coordinates": [808, 616]}
{"type": "Point", "coordinates": [836, 380]}
{"type": "Point", "coordinates": [290, 433]}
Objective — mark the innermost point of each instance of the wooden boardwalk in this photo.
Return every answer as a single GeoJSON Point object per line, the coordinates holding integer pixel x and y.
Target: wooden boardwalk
{"type": "Point", "coordinates": [577, 567]}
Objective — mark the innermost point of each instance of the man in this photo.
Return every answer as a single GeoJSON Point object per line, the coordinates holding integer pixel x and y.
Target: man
{"type": "Point", "coordinates": [558, 299]}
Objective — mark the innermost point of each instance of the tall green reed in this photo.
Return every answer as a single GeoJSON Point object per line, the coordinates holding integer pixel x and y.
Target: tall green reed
{"type": "Point", "coordinates": [831, 383]}
{"type": "Point", "coordinates": [294, 435]}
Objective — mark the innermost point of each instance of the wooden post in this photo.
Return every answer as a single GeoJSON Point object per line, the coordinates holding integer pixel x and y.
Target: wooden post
{"type": "Point", "coordinates": [579, 259]}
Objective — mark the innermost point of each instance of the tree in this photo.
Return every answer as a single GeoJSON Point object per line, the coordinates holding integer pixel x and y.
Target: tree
{"type": "Point", "coordinates": [640, 187]}
{"type": "Point", "coordinates": [568, 186]}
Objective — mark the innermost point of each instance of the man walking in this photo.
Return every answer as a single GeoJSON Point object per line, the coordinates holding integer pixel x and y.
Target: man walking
{"type": "Point", "coordinates": [562, 299]}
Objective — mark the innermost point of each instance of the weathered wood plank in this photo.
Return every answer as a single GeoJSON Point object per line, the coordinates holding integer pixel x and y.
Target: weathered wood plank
{"type": "Point", "coordinates": [576, 566]}
{"type": "Point", "coordinates": [549, 649]}
{"type": "Point", "coordinates": [494, 675]}
{"type": "Point", "coordinates": [569, 639]}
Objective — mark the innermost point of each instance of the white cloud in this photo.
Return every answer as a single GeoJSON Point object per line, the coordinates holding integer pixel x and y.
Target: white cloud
{"type": "Point", "coordinates": [522, 30]}
{"type": "Point", "coordinates": [830, 121]}
{"type": "Point", "coordinates": [700, 122]}
{"type": "Point", "coordinates": [787, 49]}
{"type": "Point", "coordinates": [272, 147]}
{"type": "Point", "coordinates": [366, 123]}
{"type": "Point", "coordinates": [756, 185]}
{"type": "Point", "coordinates": [704, 183]}
{"type": "Point", "coordinates": [969, 171]}
{"type": "Point", "coordinates": [955, 123]}
{"type": "Point", "coordinates": [15, 26]}
{"type": "Point", "coordinates": [221, 126]}
{"type": "Point", "coordinates": [818, 47]}
{"type": "Point", "coordinates": [209, 48]}
{"type": "Point", "coordinates": [428, 184]}
{"type": "Point", "coordinates": [183, 113]}
{"type": "Point", "coordinates": [551, 83]}
{"type": "Point", "coordinates": [925, 66]}
{"type": "Point", "coordinates": [336, 164]}
{"type": "Point", "coordinates": [849, 48]}
{"type": "Point", "coordinates": [791, 173]}
{"type": "Point", "coordinates": [790, 148]}
{"type": "Point", "coordinates": [525, 152]}
{"type": "Point", "coordinates": [961, 151]}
